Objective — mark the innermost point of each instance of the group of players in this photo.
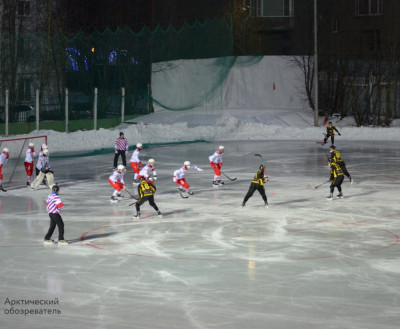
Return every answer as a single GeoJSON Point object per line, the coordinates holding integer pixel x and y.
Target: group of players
{"type": "Point", "coordinates": [337, 166]}
{"type": "Point", "coordinates": [43, 172]}
{"type": "Point", "coordinates": [146, 175]}
{"type": "Point", "coordinates": [42, 166]}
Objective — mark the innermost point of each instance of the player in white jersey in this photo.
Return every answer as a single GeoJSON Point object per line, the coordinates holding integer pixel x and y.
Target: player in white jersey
{"type": "Point", "coordinates": [179, 176]}
{"type": "Point", "coordinates": [216, 164]}
{"type": "Point", "coordinates": [43, 165]}
{"type": "Point", "coordinates": [28, 163]}
{"type": "Point", "coordinates": [116, 180]}
{"type": "Point", "coordinates": [135, 162]}
{"type": "Point", "coordinates": [148, 171]}
{"type": "Point", "coordinates": [37, 170]}
{"type": "Point", "coordinates": [3, 160]}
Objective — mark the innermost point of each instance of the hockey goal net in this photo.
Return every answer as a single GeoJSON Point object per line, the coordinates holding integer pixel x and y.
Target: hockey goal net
{"type": "Point", "coordinates": [14, 171]}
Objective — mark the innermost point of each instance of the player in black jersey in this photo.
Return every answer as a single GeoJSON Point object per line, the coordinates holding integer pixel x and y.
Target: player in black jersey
{"type": "Point", "coordinates": [330, 132]}
{"type": "Point", "coordinates": [336, 178]}
{"type": "Point", "coordinates": [337, 157]}
{"type": "Point", "coordinates": [146, 190]}
{"type": "Point", "coordinates": [257, 184]}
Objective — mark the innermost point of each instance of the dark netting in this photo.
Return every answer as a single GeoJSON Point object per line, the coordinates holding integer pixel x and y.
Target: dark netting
{"type": "Point", "coordinates": [108, 61]}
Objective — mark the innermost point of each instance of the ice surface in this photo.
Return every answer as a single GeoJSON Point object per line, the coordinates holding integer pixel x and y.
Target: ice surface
{"type": "Point", "coordinates": [304, 262]}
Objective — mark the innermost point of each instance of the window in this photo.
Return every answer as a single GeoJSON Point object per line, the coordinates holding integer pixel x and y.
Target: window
{"type": "Point", "coordinates": [372, 40]}
{"type": "Point", "coordinates": [334, 25]}
{"type": "Point", "coordinates": [253, 8]}
{"type": "Point", "coordinates": [369, 7]}
{"type": "Point", "coordinates": [271, 8]}
{"type": "Point", "coordinates": [23, 49]}
{"type": "Point", "coordinates": [24, 90]}
{"type": "Point", "coordinates": [24, 8]}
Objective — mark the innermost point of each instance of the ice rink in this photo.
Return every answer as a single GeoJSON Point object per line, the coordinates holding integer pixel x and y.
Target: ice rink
{"type": "Point", "coordinates": [303, 263]}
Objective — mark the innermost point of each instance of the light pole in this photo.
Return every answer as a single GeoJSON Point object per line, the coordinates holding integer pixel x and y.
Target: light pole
{"type": "Point", "coordinates": [315, 66]}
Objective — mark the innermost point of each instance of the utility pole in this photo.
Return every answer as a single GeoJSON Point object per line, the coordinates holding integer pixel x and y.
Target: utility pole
{"type": "Point", "coordinates": [315, 65]}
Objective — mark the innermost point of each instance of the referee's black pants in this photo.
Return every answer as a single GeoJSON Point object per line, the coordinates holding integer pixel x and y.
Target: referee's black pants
{"type": "Point", "coordinates": [116, 156]}
{"type": "Point", "coordinates": [55, 220]}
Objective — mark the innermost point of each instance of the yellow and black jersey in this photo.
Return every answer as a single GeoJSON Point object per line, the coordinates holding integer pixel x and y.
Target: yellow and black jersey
{"type": "Point", "coordinates": [146, 189]}
{"type": "Point", "coordinates": [259, 177]}
{"type": "Point", "coordinates": [336, 171]}
{"type": "Point", "coordinates": [330, 130]}
{"type": "Point", "coordinates": [336, 156]}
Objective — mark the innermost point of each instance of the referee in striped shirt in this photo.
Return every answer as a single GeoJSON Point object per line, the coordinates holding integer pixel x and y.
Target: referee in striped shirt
{"type": "Point", "coordinates": [121, 149]}
{"type": "Point", "coordinates": [53, 205]}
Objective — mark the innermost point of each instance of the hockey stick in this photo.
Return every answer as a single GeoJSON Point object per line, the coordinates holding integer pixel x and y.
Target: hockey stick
{"type": "Point", "coordinates": [318, 186]}
{"type": "Point", "coordinates": [183, 196]}
{"type": "Point", "coordinates": [132, 196]}
{"type": "Point", "coordinates": [180, 192]}
{"type": "Point", "coordinates": [265, 170]}
{"type": "Point", "coordinates": [231, 179]}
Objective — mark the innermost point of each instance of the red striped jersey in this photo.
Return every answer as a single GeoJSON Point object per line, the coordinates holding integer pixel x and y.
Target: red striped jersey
{"type": "Point", "coordinates": [54, 203]}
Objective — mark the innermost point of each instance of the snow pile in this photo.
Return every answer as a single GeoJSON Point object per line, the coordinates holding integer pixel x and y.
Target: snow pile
{"type": "Point", "coordinates": [254, 124]}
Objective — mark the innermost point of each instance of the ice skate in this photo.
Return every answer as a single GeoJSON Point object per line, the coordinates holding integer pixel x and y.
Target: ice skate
{"type": "Point", "coordinates": [3, 189]}
{"type": "Point", "coordinates": [189, 192]}
{"type": "Point", "coordinates": [62, 243]}
{"type": "Point", "coordinates": [136, 216]}
{"type": "Point", "coordinates": [220, 182]}
{"type": "Point", "coordinates": [215, 184]}
{"type": "Point", "coordinates": [48, 242]}
{"type": "Point", "coordinates": [266, 204]}
{"type": "Point", "coordinates": [159, 214]}
{"type": "Point", "coordinates": [114, 199]}
{"type": "Point", "coordinates": [243, 204]}
{"type": "Point", "coordinates": [330, 197]}
{"type": "Point", "coordinates": [340, 195]}
{"type": "Point", "coordinates": [351, 180]}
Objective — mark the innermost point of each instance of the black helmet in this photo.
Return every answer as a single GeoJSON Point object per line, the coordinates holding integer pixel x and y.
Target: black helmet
{"type": "Point", "coordinates": [55, 188]}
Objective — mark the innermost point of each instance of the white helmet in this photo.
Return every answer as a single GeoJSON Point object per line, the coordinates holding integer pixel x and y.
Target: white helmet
{"type": "Point", "coordinates": [221, 147]}
{"type": "Point", "coordinates": [46, 152]}
{"type": "Point", "coordinates": [186, 163]}
{"type": "Point", "coordinates": [6, 150]}
{"type": "Point", "coordinates": [121, 168]}
{"type": "Point", "coordinates": [151, 161]}
{"type": "Point", "coordinates": [31, 145]}
{"type": "Point", "coordinates": [139, 145]}
{"type": "Point", "coordinates": [44, 146]}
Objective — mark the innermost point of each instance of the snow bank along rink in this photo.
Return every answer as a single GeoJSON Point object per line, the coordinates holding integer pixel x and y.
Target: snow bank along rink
{"type": "Point", "coordinates": [240, 124]}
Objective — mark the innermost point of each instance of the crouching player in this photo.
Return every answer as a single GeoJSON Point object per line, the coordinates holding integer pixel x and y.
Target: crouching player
{"type": "Point", "coordinates": [116, 180]}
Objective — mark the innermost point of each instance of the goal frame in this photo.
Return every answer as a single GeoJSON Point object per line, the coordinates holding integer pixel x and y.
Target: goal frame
{"type": "Point", "coordinates": [23, 147]}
